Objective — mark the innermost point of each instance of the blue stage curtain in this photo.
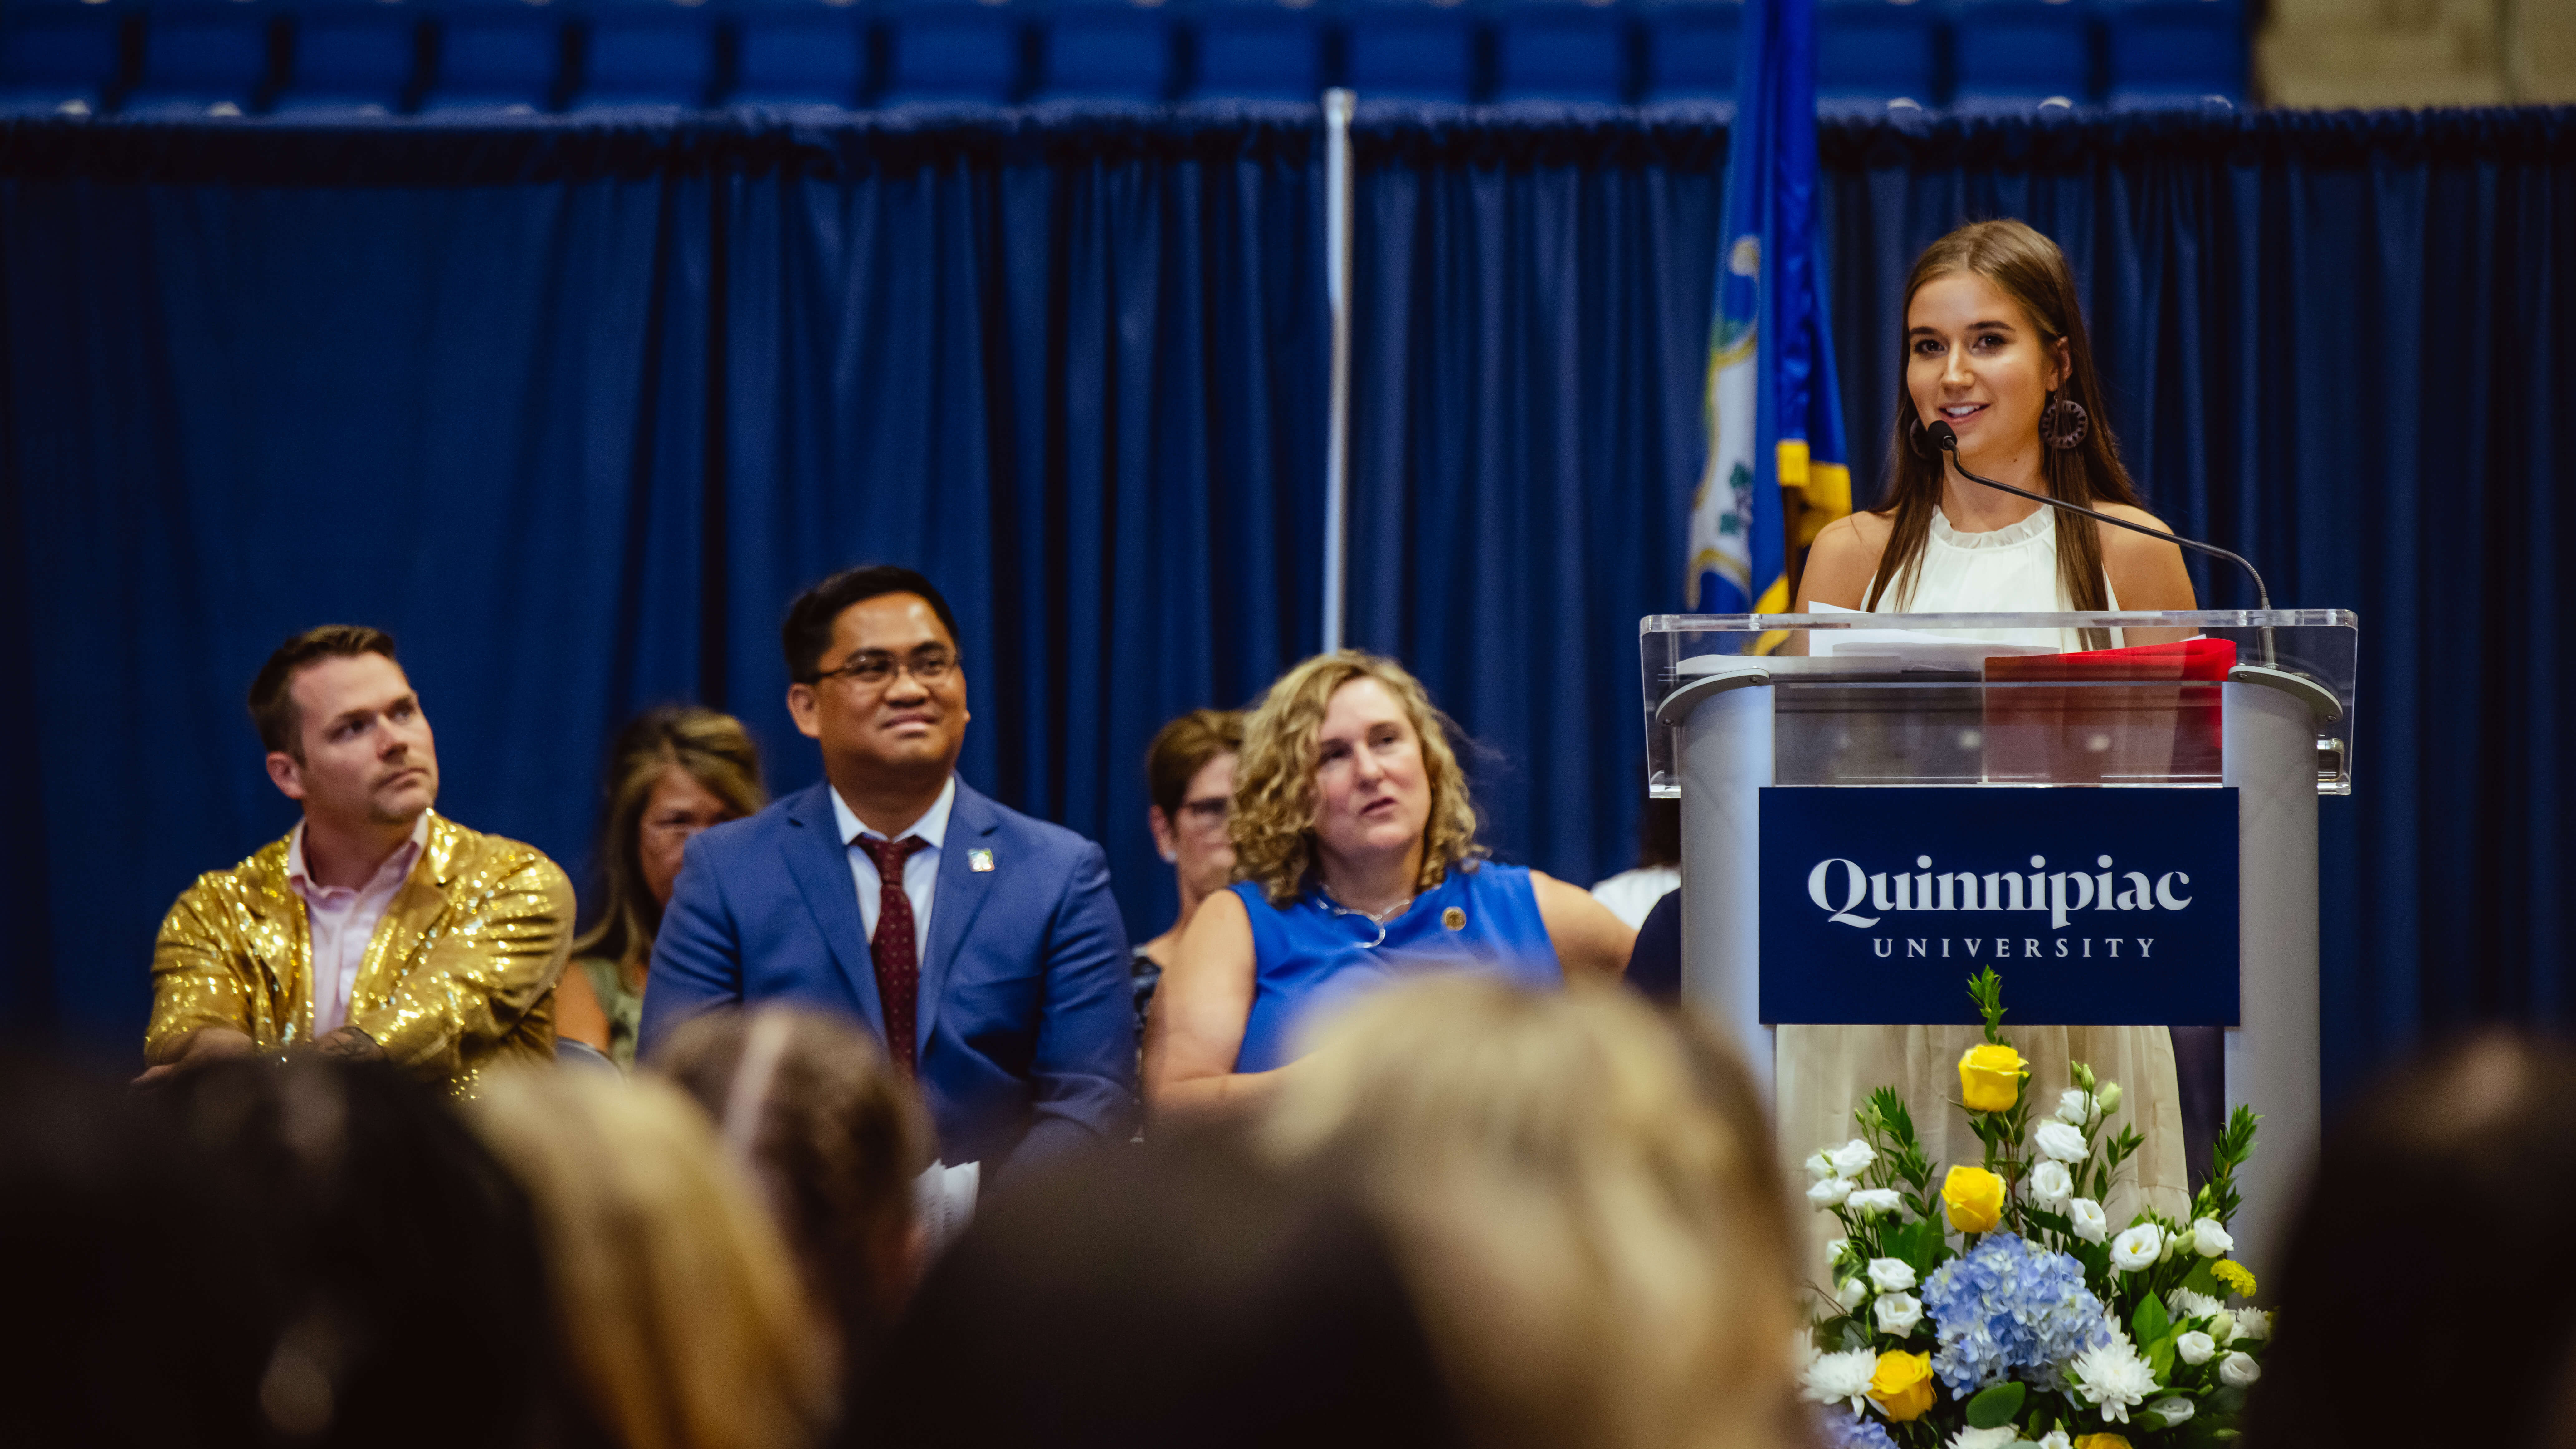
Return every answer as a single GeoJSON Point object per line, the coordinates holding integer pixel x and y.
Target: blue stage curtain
{"type": "Point", "coordinates": [574, 408]}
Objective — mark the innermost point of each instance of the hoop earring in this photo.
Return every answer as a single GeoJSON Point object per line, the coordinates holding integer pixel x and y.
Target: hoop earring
{"type": "Point", "coordinates": [2063, 423]}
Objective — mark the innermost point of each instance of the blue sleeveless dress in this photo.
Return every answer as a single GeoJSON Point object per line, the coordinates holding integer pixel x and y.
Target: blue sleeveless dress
{"type": "Point", "coordinates": [1308, 961]}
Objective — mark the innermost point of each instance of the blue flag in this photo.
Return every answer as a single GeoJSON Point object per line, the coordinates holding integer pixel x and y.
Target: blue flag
{"type": "Point", "coordinates": [1772, 410]}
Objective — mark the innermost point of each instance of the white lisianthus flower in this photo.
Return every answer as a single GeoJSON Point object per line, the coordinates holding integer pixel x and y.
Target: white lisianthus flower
{"type": "Point", "coordinates": [1852, 1158]}
{"type": "Point", "coordinates": [2186, 1304]}
{"type": "Point", "coordinates": [2085, 1215]}
{"type": "Point", "coordinates": [2223, 1329]}
{"type": "Point", "coordinates": [1892, 1275]}
{"type": "Point", "coordinates": [2137, 1248]}
{"type": "Point", "coordinates": [1851, 1291]}
{"type": "Point", "coordinates": [2110, 1098]}
{"type": "Point", "coordinates": [2238, 1370]}
{"type": "Point", "coordinates": [2002, 1436]}
{"type": "Point", "coordinates": [2173, 1411]}
{"type": "Point", "coordinates": [1829, 1191]}
{"type": "Point", "coordinates": [2195, 1347]}
{"type": "Point", "coordinates": [1877, 1201]}
{"type": "Point", "coordinates": [1840, 1378]}
{"type": "Point", "coordinates": [2051, 1185]}
{"type": "Point", "coordinates": [2210, 1239]}
{"type": "Point", "coordinates": [2055, 1439]}
{"type": "Point", "coordinates": [2075, 1107]}
{"type": "Point", "coordinates": [1898, 1313]}
{"type": "Point", "coordinates": [1820, 1165]}
{"type": "Point", "coordinates": [2253, 1323]}
{"type": "Point", "coordinates": [2059, 1141]}
{"type": "Point", "coordinates": [1837, 1250]}
{"type": "Point", "coordinates": [2113, 1378]}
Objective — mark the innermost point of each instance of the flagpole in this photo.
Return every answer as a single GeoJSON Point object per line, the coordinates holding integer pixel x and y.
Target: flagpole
{"type": "Point", "coordinates": [1338, 105]}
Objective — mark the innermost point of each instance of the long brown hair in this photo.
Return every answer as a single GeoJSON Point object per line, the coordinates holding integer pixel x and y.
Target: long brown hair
{"type": "Point", "coordinates": [2027, 267]}
{"type": "Point", "coordinates": [711, 746]}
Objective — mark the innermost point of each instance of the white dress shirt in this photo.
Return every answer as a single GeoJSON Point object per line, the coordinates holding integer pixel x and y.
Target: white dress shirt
{"type": "Point", "coordinates": [920, 870]}
{"type": "Point", "coordinates": [341, 921]}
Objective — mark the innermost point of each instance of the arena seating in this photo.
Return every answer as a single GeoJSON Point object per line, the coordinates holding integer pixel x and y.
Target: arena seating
{"type": "Point", "coordinates": [483, 57]}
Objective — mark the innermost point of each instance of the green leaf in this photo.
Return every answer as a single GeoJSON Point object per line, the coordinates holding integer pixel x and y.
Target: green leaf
{"type": "Point", "coordinates": [2160, 1358]}
{"type": "Point", "coordinates": [1996, 1406]}
{"type": "Point", "coordinates": [2151, 1322]}
{"type": "Point", "coordinates": [2201, 1280]}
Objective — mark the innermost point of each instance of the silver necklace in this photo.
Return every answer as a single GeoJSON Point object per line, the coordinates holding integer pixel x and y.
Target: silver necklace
{"type": "Point", "coordinates": [1377, 919]}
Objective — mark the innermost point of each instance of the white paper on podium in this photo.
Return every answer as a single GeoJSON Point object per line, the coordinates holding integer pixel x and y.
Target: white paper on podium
{"type": "Point", "coordinates": [943, 1201]}
{"type": "Point", "coordinates": [1894, 651]}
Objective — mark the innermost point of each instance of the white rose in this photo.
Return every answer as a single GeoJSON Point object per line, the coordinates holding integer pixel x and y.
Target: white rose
{"type": "Point", "coordinates": [1898, 1313]}
{"type": "Point", "coordinates": [2110, 1098]}
{"type": "Point", "coordinates": [1892, 1275]}
{"type": "Point", "coordinates": [2238, 1370]}
{"type": "Point", "coordinates": [1829, 1192]}
{"type": "Point", "coordinates": [2172, 1411]}
{"type": "Point", "coordinates": [2187, 1304]}
{"type": "Point", "coordinates": [1819, 1165]}
{"type": "Point", "coordinates": [2210, 1239]}
{"type": "Point", "coordinates": [2051, 1185]}
{"type": "Point", "coordinates": [2075, 1107]}
{"type": "Point", "coordinates": [1876, 1201]}
{"type": "Point", "coordinates": [1851, 1158]}
{"type": "Point", "coordinates": [2194, 1347]}
{"type": "Point", "coordinates": [2086, 1216]}
{"type": "Point", "coordinates": [2137, 1248]}
{"type": "Point", "coordinates": [2253, 1323]}
{"type": "Point", "coordinates": [2055, 1439]}
{"type": "Point", "coordinates": [2002, 1436]}
{"type": "Point", "coordinates": [2057, 1140]}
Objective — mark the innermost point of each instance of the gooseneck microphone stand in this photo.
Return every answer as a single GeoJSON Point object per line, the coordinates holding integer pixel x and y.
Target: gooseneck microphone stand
{"type": "Point", "coordinates": [1948, 439]}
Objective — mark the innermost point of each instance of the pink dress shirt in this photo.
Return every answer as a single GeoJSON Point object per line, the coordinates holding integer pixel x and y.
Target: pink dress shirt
{"type": "Point", "coordinates": [342, 921]}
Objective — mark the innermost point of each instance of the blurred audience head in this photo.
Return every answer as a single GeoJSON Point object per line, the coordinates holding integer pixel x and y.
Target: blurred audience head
{"type": "Point", "coordinates": [1346, 757]}
{"type": "Point", "coordinates": [411, 1295]}
{"type": "Point", "coordinates": [140, 1281]}
{"type": "Point", "coordinates": [344, 732]}
{"type": "Point", "coordinates": [1583, 1192]}
{"type": "Point", "coordinates": [875, 678]}
{"type": "Point", "coordinates": [836, 1137]}
{"type": "Point", "coordinates": [672, 773]}
{"type": "Point", "coordinates": [2399, 1264]}
{"type": "Point", "coordinates": [1189, 769]}
{"type": "Point", "coordinates": [1159, 1297]}
{"type": "Point", "coordinates": [677, 1300]}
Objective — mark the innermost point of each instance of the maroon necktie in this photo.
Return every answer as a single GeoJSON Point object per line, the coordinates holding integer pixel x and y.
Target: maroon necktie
{"type": "Point", "coordinates": [894, 947]}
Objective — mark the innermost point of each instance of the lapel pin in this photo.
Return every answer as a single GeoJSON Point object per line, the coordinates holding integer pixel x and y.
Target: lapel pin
{"type": "Point", "coordinates": [1454, 919]}
{"type": "Point", "coordinates": [979, 861]}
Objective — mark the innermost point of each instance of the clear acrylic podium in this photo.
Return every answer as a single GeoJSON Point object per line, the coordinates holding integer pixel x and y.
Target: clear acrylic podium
{"type": "Point", "coordinates": [2018, 702]}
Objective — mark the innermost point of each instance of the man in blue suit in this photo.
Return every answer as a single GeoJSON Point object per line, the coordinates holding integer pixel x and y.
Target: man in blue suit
{"type": "Point", "coordinates": [982, 945]}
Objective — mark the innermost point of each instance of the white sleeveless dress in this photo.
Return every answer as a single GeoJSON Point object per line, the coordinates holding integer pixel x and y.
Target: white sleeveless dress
{"type": "Point", "coordinates": [1825, 1071]}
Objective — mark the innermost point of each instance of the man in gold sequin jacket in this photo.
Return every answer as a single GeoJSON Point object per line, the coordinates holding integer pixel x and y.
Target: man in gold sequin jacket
{"type": "Point", "coordinates": [376, 929]}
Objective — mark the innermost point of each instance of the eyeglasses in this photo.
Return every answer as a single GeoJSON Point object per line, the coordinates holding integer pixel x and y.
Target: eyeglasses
{"type": "Point", "coordinates": [1212, 811]}
{"type": "Point", "coordinates": [875, 668]}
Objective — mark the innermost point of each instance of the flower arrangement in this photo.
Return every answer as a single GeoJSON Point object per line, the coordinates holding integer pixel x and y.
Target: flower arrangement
{"type": "Point", "coordinates": [1999, 1308]}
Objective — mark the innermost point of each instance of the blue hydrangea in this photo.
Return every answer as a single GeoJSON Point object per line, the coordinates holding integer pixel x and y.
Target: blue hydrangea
{"type": "Point", "coordinates": [2010, 1309]}
{"type": "Point", "coordinates": [1843, 1429]}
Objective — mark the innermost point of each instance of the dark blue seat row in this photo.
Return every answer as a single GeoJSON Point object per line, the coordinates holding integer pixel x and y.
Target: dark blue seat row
{"type": "Point", "coordinates": [199, 57]}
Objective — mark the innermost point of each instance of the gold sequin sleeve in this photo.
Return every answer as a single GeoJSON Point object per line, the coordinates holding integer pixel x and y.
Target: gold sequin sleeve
{"type": "Point", "coordinates": [201, 976]}
{"type": "Point", "coordinates": [496, 957]}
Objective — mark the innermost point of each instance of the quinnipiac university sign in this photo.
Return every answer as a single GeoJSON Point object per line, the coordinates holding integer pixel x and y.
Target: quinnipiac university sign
{"type": "Point", "coordinates": [2097, 905]}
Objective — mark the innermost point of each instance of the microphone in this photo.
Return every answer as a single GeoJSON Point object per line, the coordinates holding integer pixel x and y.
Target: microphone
{"type": "Point", "coordinates": [1948, 439]}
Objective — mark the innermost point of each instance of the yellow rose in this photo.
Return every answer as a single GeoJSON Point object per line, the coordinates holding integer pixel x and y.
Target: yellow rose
{"type": "Point", "coordinates": [1902, 1386]}
{"type": "Point", "coordinates": [2237, 1277]}
{"type": "Point", "coordinates": [2101, 1441]}
{"type": "Point", "coordinates": [1974, 1198]}
{"type": "Point", "coordinates": [1990, 1078]}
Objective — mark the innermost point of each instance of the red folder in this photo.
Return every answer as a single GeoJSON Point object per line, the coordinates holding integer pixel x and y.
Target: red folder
{"type": "Point", "coordinates": [2145, 715]}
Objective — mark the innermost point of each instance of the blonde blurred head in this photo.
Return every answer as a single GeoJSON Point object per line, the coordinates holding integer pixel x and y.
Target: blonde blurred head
{"type": "Point", "coordinates": [1275, 797]}
{"type": "Point", "coordinates": [1584, 1193]}
{"type": "Point", "coordinates": [679, 1304]}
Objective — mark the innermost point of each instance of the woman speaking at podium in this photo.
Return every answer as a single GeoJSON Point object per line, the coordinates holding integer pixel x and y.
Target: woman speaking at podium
{"type": "Point", "coordinates": [1995, 347]}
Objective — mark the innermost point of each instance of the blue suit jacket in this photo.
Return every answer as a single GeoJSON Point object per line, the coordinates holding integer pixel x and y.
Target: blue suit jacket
{"type": "Point", "coordinates": [1025, 1029]}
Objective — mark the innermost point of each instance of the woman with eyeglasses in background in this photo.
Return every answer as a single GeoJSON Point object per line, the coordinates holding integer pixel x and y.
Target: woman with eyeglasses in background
{"type": "Point", "coordinates": [1189, 772]}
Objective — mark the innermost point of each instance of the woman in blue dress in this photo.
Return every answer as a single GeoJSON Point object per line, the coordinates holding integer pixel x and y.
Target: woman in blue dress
{"type": "Point", "coordinates": [1357, 865]}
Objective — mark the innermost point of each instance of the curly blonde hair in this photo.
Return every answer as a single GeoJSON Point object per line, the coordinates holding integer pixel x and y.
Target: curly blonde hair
{"type": "Point", "coordinates": [1274, 792]}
